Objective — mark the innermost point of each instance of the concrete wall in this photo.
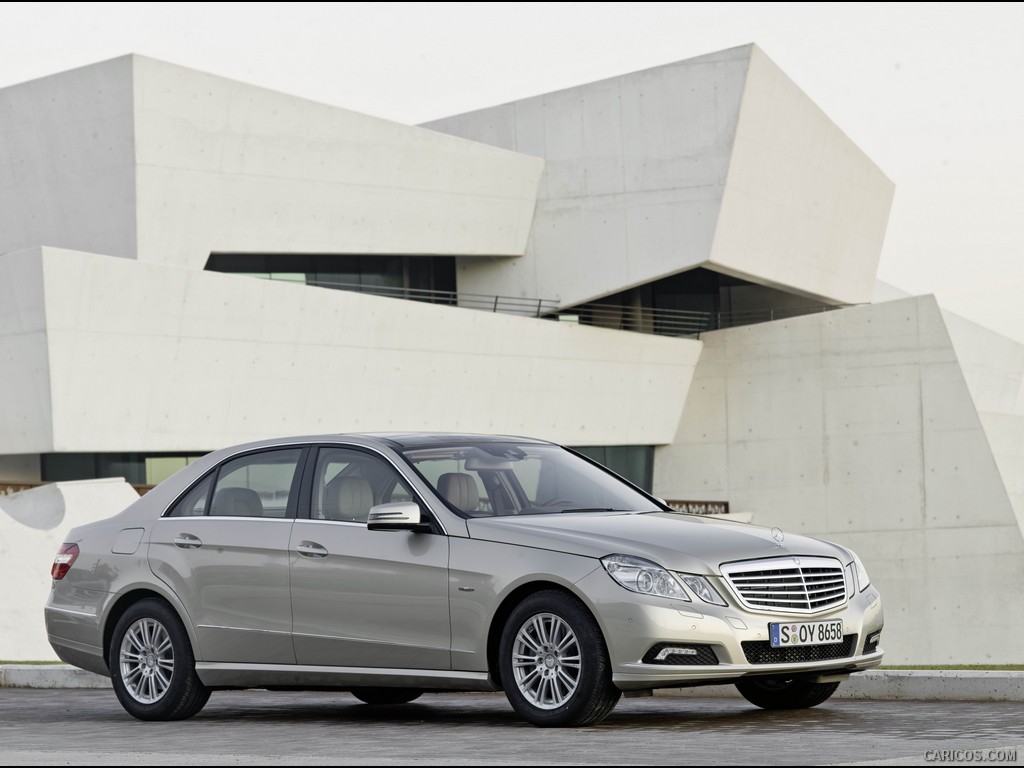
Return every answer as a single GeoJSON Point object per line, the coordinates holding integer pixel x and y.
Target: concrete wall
{"type": "Point", "coordinates": [803, 208]}
{"type": "Point", "coordinates": [25, 405]}
{"type": "Point", "coordinates": [718, 161]}
{"type": "Point", "coordinates": [635, 169]}
{"type": "Point", "coordinates": [139, 158]}
{"type": "Point", "coordinates": [993, 367]}
{"type": "Point", "coordinates": [67, 161]}
{"type": "Point", "coordinates": [33, 525]}
{"type": "Point", "coordinates": [150, 358]}
{"type": "Point", "coordinates": [226, 166]}
{"type": "Point", "coordinates": [858, 425]}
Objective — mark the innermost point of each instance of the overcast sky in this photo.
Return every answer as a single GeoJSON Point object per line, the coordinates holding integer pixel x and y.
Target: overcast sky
{"type": "Point", "coordinates": [932, 92]}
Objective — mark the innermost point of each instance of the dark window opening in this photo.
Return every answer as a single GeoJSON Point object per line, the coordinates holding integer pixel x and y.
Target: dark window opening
{"type": "Point", "coordinates": [692, 302]}
{"type": "Point", "coordinates": [422, 278]}
{"type": "Point", "coordinates": [633, 462]}
{"type": "Point", "coordinates": [136, 468]}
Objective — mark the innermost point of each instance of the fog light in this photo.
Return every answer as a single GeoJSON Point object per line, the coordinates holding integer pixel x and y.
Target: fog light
{"type": "Point", "coordinates": [670, 651]}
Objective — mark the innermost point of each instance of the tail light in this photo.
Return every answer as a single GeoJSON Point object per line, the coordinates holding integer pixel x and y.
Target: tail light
{"type": "Point", "coordinates": [66, 556]}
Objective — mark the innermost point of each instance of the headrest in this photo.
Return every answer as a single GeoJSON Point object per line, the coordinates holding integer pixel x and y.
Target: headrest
{"type": "Point", "coordinates": [460, 490]}
{"type": "Point", "coordinates": [238, 502]}
{"type": "Point", "coordinates": [348, 498]}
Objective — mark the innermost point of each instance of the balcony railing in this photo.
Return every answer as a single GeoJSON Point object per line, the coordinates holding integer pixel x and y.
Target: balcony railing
{"type": "Point", "coordinates": [510, 305]}
{"type": "Point", "coordinates": [679, 322]}
{"type": "Point", "coordinates": [664, 322]}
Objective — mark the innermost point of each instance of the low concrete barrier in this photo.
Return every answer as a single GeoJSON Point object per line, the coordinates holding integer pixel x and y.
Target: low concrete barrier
{"type": "Point", "coordinates": [877, 685]}
{"type": "Point", "coordinates": [905, 684]}
{"type": "Point", "coordinates": [49, 676]}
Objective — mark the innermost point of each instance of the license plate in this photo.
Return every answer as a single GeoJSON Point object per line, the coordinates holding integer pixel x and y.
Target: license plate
{"type": "Point", "coordinates": [806, 633]}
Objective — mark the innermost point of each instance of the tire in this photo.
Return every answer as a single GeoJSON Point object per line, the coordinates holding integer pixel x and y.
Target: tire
{"type": "Point", "coordinates": [152, 666]}
{"type": "Point", "coordinates": [783, 693]}
{"type": "Point", "coordinates": [386, 695]}
{"type": "Point", "coordinates": [554, 663]}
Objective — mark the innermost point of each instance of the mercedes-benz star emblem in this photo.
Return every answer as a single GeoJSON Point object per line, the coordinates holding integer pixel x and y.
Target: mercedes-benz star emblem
{"type": "Point", "coordinates": [778, 535]}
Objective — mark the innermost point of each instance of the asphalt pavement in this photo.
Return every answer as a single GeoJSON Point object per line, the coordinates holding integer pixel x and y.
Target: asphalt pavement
{"type": "Point", "coordinates": [88, 727]}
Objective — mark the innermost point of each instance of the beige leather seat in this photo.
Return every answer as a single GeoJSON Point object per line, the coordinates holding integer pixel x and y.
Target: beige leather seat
{"type": "Point", "coordinates": [460, 490]}
{"type": "Point", "coordinates": [347, 498]}
{"type": "Point", "coordinates": [237, 502]}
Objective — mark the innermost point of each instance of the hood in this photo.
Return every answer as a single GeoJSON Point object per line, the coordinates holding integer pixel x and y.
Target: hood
{"type": "Point", "coordinates": [685, 543]}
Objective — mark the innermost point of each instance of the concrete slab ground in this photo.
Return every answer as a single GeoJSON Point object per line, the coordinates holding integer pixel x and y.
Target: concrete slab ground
{"type": "Point", "coordinates": [879, 685]}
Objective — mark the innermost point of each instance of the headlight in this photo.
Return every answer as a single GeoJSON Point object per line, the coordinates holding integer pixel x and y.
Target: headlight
{"type": "Point", "coordinates": [863, 581]}
{"type": "Point", "coordinates": [644, 577]}
{"type": "Point", "coordinates": [702, 588]}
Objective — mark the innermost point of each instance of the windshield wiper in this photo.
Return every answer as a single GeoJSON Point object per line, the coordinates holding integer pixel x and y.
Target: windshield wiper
{"type": "Point", "coordinates": [591, 509]}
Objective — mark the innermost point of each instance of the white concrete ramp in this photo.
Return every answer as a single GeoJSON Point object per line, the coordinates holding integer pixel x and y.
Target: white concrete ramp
{"type": "Point", "coordinates": [33, 524]}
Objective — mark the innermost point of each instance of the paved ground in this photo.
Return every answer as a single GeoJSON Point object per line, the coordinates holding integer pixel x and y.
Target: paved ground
{"type": "Point", "coordinates": [88, 727]}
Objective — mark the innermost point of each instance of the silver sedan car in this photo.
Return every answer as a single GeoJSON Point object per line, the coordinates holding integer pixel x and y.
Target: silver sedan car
{"type": "Point", "coordinates": [392, 564]}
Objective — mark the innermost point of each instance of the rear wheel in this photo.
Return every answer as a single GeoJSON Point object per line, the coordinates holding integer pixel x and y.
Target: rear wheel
{"type": "Point", "coordinates": [785, 693]}
{"type": "Point", "coordinates": [554, 664]}
{"type": "Point", "coordinates": [386, 695]}
{"type": "Point", "coordinates": [151, 664]}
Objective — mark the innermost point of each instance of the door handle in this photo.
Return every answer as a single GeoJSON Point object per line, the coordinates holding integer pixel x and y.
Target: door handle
{"type": "Point", "coordinates": [311, 549]}
{"type": "Point", "coordinates": [187, 541]}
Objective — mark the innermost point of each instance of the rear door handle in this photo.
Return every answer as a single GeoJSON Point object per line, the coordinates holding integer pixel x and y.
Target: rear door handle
{"type": "Point", "coordinates": [187, 541]}
{"type": "Point", "coordinates": [311, 549]}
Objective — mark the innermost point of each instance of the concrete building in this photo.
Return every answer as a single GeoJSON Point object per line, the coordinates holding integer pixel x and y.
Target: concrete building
{"type": "Point", "coordinates": [673, 270]}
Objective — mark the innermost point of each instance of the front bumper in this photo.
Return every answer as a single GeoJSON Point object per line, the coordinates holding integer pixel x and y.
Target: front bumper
{"type": "Point", "coordinates": [633, 624]}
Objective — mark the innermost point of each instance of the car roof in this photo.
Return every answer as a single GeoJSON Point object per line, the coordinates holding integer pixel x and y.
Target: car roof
{"type": "Point", "coordinates": [424, 439]}
{"type": "Point", "coordinates": [393, 440]}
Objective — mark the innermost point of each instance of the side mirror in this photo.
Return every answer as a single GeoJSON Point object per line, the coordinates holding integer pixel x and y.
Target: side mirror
{"type": "Point", "coordinates": [397, 516]}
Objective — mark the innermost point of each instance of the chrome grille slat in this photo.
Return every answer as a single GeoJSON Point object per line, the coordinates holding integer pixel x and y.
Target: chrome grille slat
{"type": "Point", "coordinates": [788, 584]}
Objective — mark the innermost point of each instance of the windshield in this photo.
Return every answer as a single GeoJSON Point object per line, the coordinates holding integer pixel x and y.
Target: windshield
{"type": "Point", "coordinates": [497, 479]}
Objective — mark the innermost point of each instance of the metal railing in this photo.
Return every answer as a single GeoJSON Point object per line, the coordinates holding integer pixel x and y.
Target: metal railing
{"type": "Point", "coordinates": [751, 316]}
{"type": "Point", "coordinates": [679, 322]}
{"type": "Point", "coordinates": [664, 322]}
{"type": "Point", "coordinates": [510, 305]}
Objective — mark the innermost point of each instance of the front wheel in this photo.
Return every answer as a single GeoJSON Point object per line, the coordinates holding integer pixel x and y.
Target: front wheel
{"type": "Point", "coordinates": [554, 664]}
{"type": "Point", "coordinates": [386, 695]}
{"type": "Point", "coordinates": [152, 667]}
{"type": "Point", "coordinates": [784, 693]}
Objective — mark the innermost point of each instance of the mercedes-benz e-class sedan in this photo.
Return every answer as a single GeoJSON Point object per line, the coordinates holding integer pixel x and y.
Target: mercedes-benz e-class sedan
{"type": "Point", "coordinates": [388, 565]}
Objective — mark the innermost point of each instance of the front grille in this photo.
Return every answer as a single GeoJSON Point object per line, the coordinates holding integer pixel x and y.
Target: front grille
{"type": "Point", "coordinates": [788, 584]}
{"type": "Point", "coordinates": [690, 654]}
{"type": "Point", "coordinates": [761, 651]}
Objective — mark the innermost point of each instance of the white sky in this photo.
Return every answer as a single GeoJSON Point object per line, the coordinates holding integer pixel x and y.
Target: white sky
{"type": "Point", "coordinates": [932, 92]}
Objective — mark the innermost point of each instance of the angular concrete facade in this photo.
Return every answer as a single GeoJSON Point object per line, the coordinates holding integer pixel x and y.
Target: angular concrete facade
{"type": "Point", "coordinates": [859, 426]}
{"type": "Point", "coordinates": [893, 427]}
{"type": "Point", "coordinates": [719, 161]}
{"type": "Point", "coordinates": [112, 355]}
{"type": "Point", "coordinates": [33, 525]}
{"type": "Point", "coordinates": [142, 159]}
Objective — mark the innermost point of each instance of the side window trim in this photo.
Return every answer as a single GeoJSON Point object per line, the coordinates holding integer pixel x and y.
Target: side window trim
{"type": "Point", "coordinates": [292, 510]}
{"type": "Point", "coordinates": [213, 475]}
{"type": "Point", "coordinates": [303, 500]}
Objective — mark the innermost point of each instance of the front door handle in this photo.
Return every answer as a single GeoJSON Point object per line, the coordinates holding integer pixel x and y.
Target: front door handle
{"type": "Point", "coordinates": [311, 549]}
{"type": "Point", "coordinates": [187, 541]}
